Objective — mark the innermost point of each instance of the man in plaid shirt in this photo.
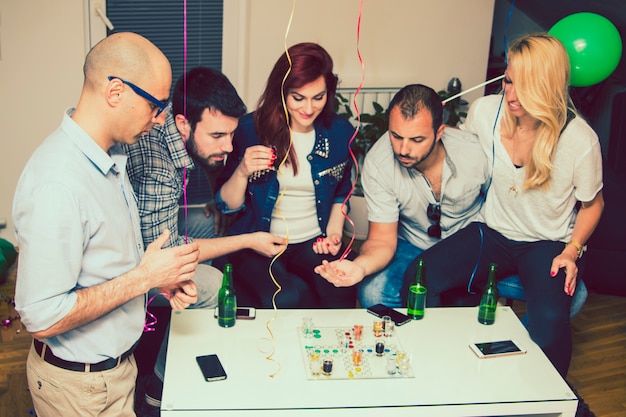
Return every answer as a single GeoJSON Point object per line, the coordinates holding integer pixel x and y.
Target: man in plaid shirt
{"type": "Point", "coordinates": [198, 133]}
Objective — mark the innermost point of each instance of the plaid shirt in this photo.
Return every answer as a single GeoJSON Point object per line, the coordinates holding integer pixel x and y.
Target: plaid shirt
{"type": "Point", "coordinates": [156, 165]}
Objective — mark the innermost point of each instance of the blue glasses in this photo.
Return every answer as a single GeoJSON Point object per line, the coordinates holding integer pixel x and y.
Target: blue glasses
{"type": "Point", "coordinates": [158, 104]}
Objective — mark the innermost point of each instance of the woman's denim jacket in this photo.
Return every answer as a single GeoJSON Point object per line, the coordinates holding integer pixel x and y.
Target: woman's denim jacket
{"type": "Point", "coordinates": [331, 166]}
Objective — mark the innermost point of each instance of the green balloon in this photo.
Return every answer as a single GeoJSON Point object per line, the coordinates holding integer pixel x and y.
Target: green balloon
{"type": "Point", "coordinates": [593, 44]}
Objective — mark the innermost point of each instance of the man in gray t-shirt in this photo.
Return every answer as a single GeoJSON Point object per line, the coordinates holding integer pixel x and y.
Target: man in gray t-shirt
{"type": "Point", "coordinates": [422, 182]}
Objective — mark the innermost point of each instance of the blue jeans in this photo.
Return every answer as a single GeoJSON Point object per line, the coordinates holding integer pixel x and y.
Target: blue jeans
{"type": "Point", "coordinates": [384, 286]}
{"type": "Point", "coordinates": [300, 286]}
{"type": "Point", "coordinates": [196, 225]}
{"type": "Point", "coordinates": [511, 287]}
{"type": "Point", "coordinates": [450, 264]}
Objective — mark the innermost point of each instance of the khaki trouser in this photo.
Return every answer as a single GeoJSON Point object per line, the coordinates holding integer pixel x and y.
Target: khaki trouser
{"type": "Point", "coordinates": [59, 392]}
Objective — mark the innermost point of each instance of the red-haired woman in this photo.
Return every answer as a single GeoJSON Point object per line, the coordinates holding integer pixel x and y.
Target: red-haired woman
{"type": "Point", "coordinates": [289, 174]}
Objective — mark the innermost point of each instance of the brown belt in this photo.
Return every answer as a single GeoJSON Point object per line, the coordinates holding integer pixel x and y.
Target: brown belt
{"type": "Point", "coordinates": [105, 365]}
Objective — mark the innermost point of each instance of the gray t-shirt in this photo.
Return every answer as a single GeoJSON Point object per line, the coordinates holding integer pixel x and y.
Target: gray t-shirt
{"type": "Point", "coordinates": [397, 194]}
{"type": "Point", "coordinates": [533, 215]}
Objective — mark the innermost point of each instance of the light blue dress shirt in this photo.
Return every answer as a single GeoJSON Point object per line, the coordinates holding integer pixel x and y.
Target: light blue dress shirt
{"type": "Point", "coordinates": [77, 226]}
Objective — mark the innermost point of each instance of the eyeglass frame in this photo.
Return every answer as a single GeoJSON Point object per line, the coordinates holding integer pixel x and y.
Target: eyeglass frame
{"type": "Point", "coordinates": [160, 105]}
{"type": "Point", "coordinates": [433, 212]}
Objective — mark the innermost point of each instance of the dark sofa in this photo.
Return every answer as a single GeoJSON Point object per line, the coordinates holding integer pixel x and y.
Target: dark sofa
{"type": "Point", "coordinates": [604, 106]}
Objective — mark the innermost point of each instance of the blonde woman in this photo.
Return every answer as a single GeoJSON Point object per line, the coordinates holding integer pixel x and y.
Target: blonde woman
{"type": "Point", "coordinates": [545, 199]}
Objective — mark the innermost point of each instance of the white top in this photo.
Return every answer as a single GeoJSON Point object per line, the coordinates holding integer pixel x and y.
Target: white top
{"type": "Point", "coordinates": [295, 212]}
{"type": "Point", "coordinates": [534, 215]}
{"type": "Point", "coordinates": [396, 194]}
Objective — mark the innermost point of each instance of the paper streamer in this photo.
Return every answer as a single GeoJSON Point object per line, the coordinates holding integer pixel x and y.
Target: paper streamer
{"type": "Point", "coordinates": [499, 77]}
{"type": "Point", "coordinates": [150, 321]}
{"type": "Point", "coordinates": [270, 352]}
{"type": "Point", "coordinates": [356, 131]}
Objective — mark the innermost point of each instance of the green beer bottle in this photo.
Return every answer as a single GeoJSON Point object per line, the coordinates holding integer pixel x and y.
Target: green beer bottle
{"type": "Point", "coordinates": [489, 300]}
{"type": "Point", "coordinates": [417, 294]}
{"type": "Point", "coordinates": [227, 300]}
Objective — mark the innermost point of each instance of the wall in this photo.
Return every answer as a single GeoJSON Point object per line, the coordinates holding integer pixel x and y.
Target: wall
{"type": "Point", "coordinates": [42, 51]}
{"type": "Point", "coordinates": [404, 41]}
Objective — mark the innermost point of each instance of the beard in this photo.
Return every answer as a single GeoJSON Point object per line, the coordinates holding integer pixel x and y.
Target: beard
{"type": "Point", "coordinates": [205, 162]}
{"type": "Point", "coordinates": [418, 160]}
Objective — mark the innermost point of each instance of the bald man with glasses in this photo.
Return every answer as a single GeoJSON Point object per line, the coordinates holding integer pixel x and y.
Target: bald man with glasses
{"type": "Point", "coordinates": [83, 272]}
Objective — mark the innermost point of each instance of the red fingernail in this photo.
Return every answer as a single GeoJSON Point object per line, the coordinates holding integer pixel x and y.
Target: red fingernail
{"type": "Point", "coordinates": [328, 245]}
{"type": "Point", "coordinates": [552, 273]}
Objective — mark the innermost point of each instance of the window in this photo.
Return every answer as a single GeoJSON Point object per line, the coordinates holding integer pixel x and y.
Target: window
{"type": "Point", "coordinates": [162, 21]}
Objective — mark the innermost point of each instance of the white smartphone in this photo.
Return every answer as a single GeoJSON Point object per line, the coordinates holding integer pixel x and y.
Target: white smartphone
{"type": "Point", "coordinates": [498, 348]}
{"type": "Point", "coordinates": [243, 313]}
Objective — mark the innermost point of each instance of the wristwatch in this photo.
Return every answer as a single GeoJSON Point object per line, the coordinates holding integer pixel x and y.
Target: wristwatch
{"type": "Point", "coordinates": [579, 248]}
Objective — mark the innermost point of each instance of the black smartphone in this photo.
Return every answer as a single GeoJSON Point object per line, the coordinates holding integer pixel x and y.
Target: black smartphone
{"type": "Point", "coordinates": [211, 367]}
{"type": "Point", "coordinates": [243, 313]}
{"type": "Point", "coordinates": [380, 310]}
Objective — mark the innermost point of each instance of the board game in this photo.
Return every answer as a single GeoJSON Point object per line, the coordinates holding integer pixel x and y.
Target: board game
{"type": "Point", "coordinates": [331, 353]}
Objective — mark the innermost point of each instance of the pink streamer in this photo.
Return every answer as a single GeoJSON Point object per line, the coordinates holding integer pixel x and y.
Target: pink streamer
{"type": "Point", "coordinates": [151, 320]}
{"type": "Point", "coordinates": [185, 113]}
{"type": "Point", "coordinates": [356, 130]}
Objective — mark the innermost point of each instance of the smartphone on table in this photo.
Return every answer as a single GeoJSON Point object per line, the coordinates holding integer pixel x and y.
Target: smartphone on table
{"type": "Point", "coordinates": [243, 313]}
{"type": "Point", "coordinates": [380, 310]}
{"type": "Point", "coordinates": [495, 349]}
{"type": "Point", "coordinates": [211, 367]}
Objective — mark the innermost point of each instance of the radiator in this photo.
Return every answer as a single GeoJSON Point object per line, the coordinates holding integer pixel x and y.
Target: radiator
{"type": "Point", "coordinates": [366, 96]}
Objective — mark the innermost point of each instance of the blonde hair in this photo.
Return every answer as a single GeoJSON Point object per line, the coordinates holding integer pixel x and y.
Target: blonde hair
{"type": "Point", "coordinates": [542, 73]}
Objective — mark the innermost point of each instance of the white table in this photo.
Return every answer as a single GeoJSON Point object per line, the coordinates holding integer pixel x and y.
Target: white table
{"type": "Point", "coordinates": [450, 380]}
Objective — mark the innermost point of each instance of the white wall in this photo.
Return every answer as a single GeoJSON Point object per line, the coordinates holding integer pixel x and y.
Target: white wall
{"type": "Point", "coordinates": [42, 51]}
{"type": "Point", "coordinates": [402, 41]}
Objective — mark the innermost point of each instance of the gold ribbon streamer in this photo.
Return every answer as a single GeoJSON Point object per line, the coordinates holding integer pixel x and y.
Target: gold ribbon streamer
{"type": "Point", "coordinates": [270, 354]}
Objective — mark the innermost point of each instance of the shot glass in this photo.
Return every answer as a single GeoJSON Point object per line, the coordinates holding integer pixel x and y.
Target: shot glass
{"type": "Point", "coordinates": [327, 366]}
{"type": "Point", "coordinates": [307, 326]}
{"type": "Point", "coordinates": [388, 326]}
{"type": "Point", "coordinates": [315, 363]}
{"type": "Point", "coordinates": [358, 331]}
{"type": "Point", "coordinates": [378, 328]}
{"type": "Point", "coordinates": [391, 365]}
{"type": "Point", "coordinates": [403, 362]}
{"type": "Point", "coordinates": [404, 366]}
{"type": "Point", "coordinates": [400, 355]}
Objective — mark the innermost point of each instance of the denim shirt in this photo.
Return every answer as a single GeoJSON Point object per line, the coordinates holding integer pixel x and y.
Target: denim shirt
{"type": "Point", "coordinates": [330, 163]}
